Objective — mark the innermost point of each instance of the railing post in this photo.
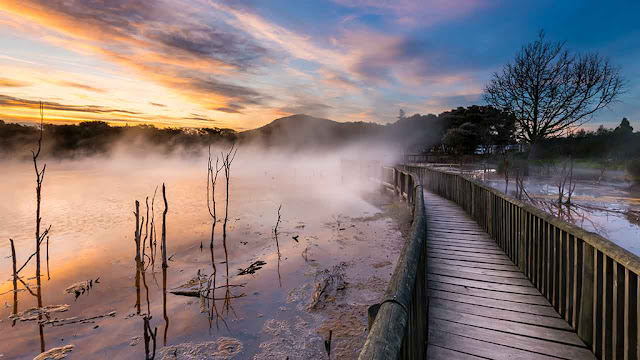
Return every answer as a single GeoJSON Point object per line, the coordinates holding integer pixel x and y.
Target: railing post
{"type": "Point", "coordinates": [585, 321]}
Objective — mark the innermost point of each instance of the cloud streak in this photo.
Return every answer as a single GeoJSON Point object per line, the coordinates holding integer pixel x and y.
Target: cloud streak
{"type": "Point", "coordinates": [9, 83]}
{"type": "Point", "coordinates": [14, 102]}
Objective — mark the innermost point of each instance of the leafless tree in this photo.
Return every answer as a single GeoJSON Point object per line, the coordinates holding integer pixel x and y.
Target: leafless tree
{"type": "Point", "coordinates": [164, 228]}
{"type": "Point", "coordinates": [552, 91]}
{"type": "Point", "coordinates": [39, 180]}
{"type": "Point", "coordinates": [212, 177]}
{"type": "Point", "coordinates": [227, 159]}
{"type": "Point", "coordinates": [275, 230]}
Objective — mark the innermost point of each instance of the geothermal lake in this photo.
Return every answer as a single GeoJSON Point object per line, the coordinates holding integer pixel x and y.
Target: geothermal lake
{"type": "Point", "coordinates": [348, 240]}
{"type": "Point", "coordinates": [610, 209]}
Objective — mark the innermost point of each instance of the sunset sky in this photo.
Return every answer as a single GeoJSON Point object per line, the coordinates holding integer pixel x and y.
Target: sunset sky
{"type": "Point", "coordinates": [243, 63]}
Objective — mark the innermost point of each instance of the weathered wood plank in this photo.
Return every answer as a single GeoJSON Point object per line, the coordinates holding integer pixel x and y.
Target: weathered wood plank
{"type": "Point", "coordinates": [526, 343]}
{"type": "Point", "coordinates": [540, 310]}
{"type": "Point", "coordinates": [483, 349]}
{"type": "Point", "coordinates": [434, 260]}
{"type": "Point", "coordinates": [511, 327]}
{"type": "Point", "coordinates": [481, 275]}
{"type": "Point", "coordinates": [439, 353]}
{"type": "Point", "coordinates": [516, 289]}
{"type": "Point", "coordinates": [474, 309]}
{"type": "Point", "coordinates": [440, 255]}
{"type": "Point", "coordinates": [498, 295]}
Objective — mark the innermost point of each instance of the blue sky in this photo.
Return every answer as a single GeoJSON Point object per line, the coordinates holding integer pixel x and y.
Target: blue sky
{"type": "Point", "coordinates": [240, 64]}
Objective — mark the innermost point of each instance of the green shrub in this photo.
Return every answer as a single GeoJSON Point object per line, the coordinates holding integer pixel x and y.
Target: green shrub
{"type": "Point", "coordinates": [633, 169]}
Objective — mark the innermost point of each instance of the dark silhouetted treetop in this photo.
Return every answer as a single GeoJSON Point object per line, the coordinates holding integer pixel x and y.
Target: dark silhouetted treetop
{"type": "Point", "coordinates": [551, 90]}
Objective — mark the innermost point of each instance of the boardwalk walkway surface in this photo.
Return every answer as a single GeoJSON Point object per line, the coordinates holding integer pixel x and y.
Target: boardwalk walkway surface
{"type": "Point", "coordinates": [481, 305]}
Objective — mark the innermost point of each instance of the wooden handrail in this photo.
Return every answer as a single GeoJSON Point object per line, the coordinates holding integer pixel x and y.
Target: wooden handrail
{"type": "Point", "coordinates": [399, 330]}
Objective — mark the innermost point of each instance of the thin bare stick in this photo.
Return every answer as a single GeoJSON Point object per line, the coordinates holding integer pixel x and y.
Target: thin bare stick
{"type": "Point", "coordinates": [39, 181]}
{"type": "Point", "coordinates": [164, 228]}
{"type": "Point", "coordinates": [212, 177]}
{"type": "Point", "coordinates": [15, 280]}
{"type": "Point", "coordinates": [146, 230]}
{"type": "Point", "coordinates": [275, 230]}
{"type": "Point", "coordinates": [152, 240]}
{"type": "Point", "coordinates": [48, 274]}
{"type": "Point", "coordinates": [164, 304]}
{"type": "Point", "coordinates": [136, 235]}
{"type": "Point", "coordinates": [226, 163]}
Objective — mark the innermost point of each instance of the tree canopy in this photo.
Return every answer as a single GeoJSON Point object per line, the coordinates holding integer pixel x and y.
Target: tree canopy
{"type": "Point", "coordinates": [551, 90]}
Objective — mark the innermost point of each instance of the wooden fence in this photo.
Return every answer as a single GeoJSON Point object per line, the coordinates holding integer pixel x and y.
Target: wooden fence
{"type": "Point", "coordinates": [398, 324]}
{"type": "Point", "coordinates": [591, 282]}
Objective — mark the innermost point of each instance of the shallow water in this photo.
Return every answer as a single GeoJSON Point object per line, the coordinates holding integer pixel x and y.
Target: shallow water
{"type": "Point", "coordinates": [610, 209]}
{"type": "Point", "coordinates": [89, 205]}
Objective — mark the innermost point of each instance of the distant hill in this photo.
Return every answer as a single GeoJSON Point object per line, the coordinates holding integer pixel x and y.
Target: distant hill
{"type": "Point", "coordinates": [304, 132]}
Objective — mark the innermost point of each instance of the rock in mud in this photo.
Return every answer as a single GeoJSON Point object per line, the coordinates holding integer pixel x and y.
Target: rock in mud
{"type": "Point", "coordinates": [32, 314]}
{"type": "Point", "coordinates": [223, 348]}
{"type": "Point", "coordinates": [55, 353]}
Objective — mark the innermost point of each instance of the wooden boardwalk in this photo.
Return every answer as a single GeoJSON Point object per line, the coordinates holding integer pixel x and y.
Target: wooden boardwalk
{"type": "Point", "coordinates": [481, 305]}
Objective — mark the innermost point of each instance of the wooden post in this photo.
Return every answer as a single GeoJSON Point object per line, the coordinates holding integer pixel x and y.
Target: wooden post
{"type": "Point", "coordinates": [585, 321]}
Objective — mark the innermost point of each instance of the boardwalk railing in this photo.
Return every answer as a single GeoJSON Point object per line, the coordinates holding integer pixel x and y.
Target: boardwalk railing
{"type": "Point", "coordinates": [399, 330]}
{"type": "Point", "coordinates": [589, 280]}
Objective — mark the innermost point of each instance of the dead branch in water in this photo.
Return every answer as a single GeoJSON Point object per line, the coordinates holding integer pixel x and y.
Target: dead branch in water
{"type": "Point", "coordinates": [146, 230]}
{"type": "Point", "coordinates": [15, 280]}
{"type": "Point", "coordinates": [164, 228]}
{"type": "Point", "coordinates": [153, 246]}
{"type": "Point", "coordinates": [275, 230]}
{"type": "Point", "coordinates": [212, 178]}
{"type": "Point", "coordinates": [149, 336]}
{"type": "Point", "coordinates": [227, 159]}
{"type": "Point", "coordinates": [136, 234]}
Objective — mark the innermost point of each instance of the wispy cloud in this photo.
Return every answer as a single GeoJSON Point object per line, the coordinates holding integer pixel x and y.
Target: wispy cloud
{"type": "Point", "coordinates": [4, 82]}
{"type": "Point", "coordinates": [416, 12]}
{"type": "Point", "coordinates": [14, 102]}
{"type": "Point", "coordinates": [81, 86]}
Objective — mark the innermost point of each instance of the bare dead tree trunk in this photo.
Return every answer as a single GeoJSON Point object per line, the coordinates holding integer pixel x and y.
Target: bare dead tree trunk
{"type": "Point", "coordinates": [164, 228]}
{"type": "Point", "coordinates": [164, 304]}
{"type": "Point", "coordinates": [149, 336]}
{"type": "Point", "coordinates": [146, 230]}
{"type": "Point", "coordinates": [15, 280]}
{"type": "Point", "coordinates": [572, 184]}
{"type": "Point", "coordinates": [275, 230]}
{"type": "Point", "coordinates": [152, 239]}
{"type": "Point", "coordinates": [212, 177]}
{"type": "Point", "coordinates": [226, 163]}
{"type": "Point", "coordinates": [136, 235]}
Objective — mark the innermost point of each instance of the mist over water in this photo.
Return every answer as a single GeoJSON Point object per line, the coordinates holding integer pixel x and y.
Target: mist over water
{"type": "Point", "coordinates": [89, 203]}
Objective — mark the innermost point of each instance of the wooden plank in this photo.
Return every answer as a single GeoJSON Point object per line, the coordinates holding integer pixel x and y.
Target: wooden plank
{"type": "Point", "coordinates": [480, 348]}
{"type": "Point", "coordinates": [464, 244]}
{"type": "Point", "coordinates": [455, 232]}
{"type": "Point", "coordinates": [462, 248]}
{"type": "Point", "coordinates": [474, 264]}
{"type": "Point", "coordinates": [562, 351]}
{"type": "Point", "coordinates": [435, 254]}
{"type": "Point", "coordinates": [439, 353]}
{"type": "Point", "coordinates": [489, 312]}
{"type": "Point", "coordinates": [516, 289]}
{"type": "Point", "coordinates": [539, 332]}
{"type": "Point", "coordinates": [471, 253]}
{"type": "Point", "coordinates": [540, 310]}
{"type": "Point", "coordinates": [499, 295]}
{"type": "Point", "coordinates": [493, 275]}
